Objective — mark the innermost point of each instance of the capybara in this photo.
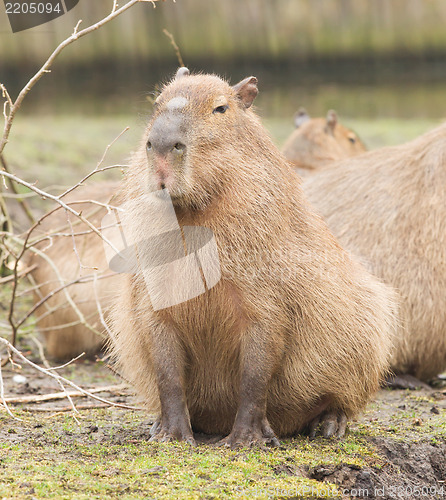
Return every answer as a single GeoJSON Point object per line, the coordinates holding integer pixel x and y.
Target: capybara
{"type": "Point", "coordinates": [66, 333]}
{"type": "Point", "coordinates": [317, 142]}
{"type": "Point", "coordinates": [388, 208]}
{"type": "Point", "coordinates": [295, 334]}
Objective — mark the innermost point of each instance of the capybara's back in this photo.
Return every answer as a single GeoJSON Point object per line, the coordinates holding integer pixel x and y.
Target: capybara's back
{"type": "Point", "coordinates": [318, 142]}
{"type": "Point", "coordinates": [72, 270]}
{"type": "Point", "coordinates": [388, 208]}
{"type": "Point", "coordinates": [294, 332]}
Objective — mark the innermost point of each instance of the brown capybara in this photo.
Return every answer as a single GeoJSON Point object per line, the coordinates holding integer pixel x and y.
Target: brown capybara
{"type": "Point", "coordinates": [68, 331]}
{"type": "Point", "coordinates": [388, 208]}
{"type": "Point", "coordinates": [295, 334]}
{"type": "Point", "coordinates": [317, 142]}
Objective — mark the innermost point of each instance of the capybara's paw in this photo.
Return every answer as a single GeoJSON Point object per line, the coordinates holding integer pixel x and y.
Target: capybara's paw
{"type": "Point", "coordinates": [258, 436]}
{"type": "Point", "coordinates": [155, 427]}
{"type": "Point", "coordinates": [162, 433]}
{"type": "Point", "coordinates": [329, 424]}
{"type": "Point", "coordinates": [405, 382]}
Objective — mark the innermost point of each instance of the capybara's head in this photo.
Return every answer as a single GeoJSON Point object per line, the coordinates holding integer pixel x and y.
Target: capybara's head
{"type": "Point", "coordinates": [195, 134]}
{"type": "Point", "coordinates": [318, 141]}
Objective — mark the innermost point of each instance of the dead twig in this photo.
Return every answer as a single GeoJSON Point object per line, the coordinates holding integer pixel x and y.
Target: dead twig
{"type": "Point", "coordinates": [175, 46]}
{"type": "Point", "coordinates": [62, 395]}
{"type": "Point", "coordinates": [2, 396]}
{"type": "Point", "coordinates": [48, 367]}
{"type": "Point", "coordinates": [62, 409]}
{"type": "Point", "coordinates": [22, 274]}
{"type": "Point", "coordinates": [56, 376]}
{"type": "Point", "coordinates": [44, 195]}
{"type": "Point", "coordinates": [98, 166]}
{"type": "Point", "coordinates": [14, 106]}
{"type": "Point", "coordinates": [21, 201]}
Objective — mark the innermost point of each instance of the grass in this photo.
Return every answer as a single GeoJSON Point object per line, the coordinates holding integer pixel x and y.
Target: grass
{"type": "Point", "coordinates": [108, 456]}
{"type": "Point", "coordinates": [78, 142]}
{"type": "Point", "coordinates": [66, 464]}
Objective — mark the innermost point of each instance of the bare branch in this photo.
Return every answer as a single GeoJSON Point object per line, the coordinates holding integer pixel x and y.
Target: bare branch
{"type": "Point", "coordinates": [13, 188]}
{"type": "Point", "coordinates": [61, 203]}
{"type": "Point", "coordinates": [58, 377]}
{"type": "Point", "coordinates": [48, 367]}
{"type": "Point", "coordinates": [175, 46]}
{"type": "Point", "coordinates": [22, 274]}
{"type": "Point", "coordinates": [47, 65]}
{"type": "Point", "coordinates": [2, 395]}
{"type": "Point", "coordinates": [62, 395]}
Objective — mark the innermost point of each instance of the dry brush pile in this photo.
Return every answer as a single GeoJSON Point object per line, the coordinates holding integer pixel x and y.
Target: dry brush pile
{"type": "Point", "coordinates": [18, 247]}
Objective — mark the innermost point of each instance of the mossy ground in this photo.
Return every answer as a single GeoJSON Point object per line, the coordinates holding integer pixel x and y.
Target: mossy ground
{"type": "Point", "coordinates": [106, 454]}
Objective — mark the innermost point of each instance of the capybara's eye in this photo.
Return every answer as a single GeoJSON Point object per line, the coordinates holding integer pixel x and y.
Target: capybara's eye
{"type": "Point", "coordinates": [149, 145]}
{"type": "Point", "coordinates": [178, 146]}
{"type": "Point", "coordinates": [220, 109]}
{"type": "Point", "coordinates": [352, 139]}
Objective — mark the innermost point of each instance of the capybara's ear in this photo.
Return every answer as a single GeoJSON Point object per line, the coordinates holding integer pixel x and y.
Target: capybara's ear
{"type": "Point", "coordinates": [301, 117]}
{"type": "Point", "coordinates": [247, 90]}
{"type": "Point", "coordinates": [183, 71]}
{"type": "Point", "coordinates": [332, 120]}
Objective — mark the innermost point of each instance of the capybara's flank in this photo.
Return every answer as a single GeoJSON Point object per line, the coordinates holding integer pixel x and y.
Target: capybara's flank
{"type": "Point", "coordinates": [68, 331]}
{"type": "Point", "coordinates": [317, 142]}
{"type": "Point", "coordinates": [388, 208]}
{"type": "Point", "coordinates": [295, 334]}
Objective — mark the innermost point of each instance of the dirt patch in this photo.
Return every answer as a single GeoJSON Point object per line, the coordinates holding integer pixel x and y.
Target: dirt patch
{"type": "Point", "coordinates": [412, 470]}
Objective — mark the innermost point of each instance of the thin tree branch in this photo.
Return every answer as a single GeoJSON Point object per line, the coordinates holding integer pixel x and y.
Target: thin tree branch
{"type": "Point", "coordinates": [13, 188]}
{"type": "Point", "coordinates": [58, 377]}
{"type": "Point", "coordinates": [175, 47]}
{"type": "Point", "coordinates": [47, 65]}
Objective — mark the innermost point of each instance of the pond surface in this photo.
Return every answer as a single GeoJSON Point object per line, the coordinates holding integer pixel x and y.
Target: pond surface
{"type": "Point", "coordinates": [355, 89]}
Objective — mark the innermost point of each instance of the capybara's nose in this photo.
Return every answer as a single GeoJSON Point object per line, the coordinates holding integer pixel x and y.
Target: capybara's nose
{"type": "Point", "coordinates": [167, 135]}
{"type": "Point", "coordinates": [163, 147]}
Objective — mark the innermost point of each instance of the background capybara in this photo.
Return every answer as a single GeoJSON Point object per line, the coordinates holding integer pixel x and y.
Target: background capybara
{"type": "Point", "coordinates": [388, 208]}
{"type": "Point", "coordinates": [317, 142]}
{"type": "Point", "coordinates": [66, 333]}
{"type": "Point", "coordinates": [294, 333]}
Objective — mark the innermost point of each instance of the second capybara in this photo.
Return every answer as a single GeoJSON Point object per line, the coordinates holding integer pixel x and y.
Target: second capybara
{"type": "Point", "coordinates": [69, 320]}
{"type": "Point", "coordinates": [294, 334]}
{"type": "Point", "coordinates": [318, 142]}
{"type": "Point", "coordinates": [388, 208]}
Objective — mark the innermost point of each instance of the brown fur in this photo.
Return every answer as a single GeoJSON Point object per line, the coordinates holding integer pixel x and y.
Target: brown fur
{"type": "Point", "coordinates": [317, 142]}
{"type": "Point", "coordinates": [388, 208]}
{"type": "Point", "coordinates": [67, 342]}
{"type": "Point", "coordinates": [290, 302]}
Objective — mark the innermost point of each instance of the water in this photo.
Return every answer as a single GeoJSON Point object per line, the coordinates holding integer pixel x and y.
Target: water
{"type": "Point", "coordinates": [404, 90]}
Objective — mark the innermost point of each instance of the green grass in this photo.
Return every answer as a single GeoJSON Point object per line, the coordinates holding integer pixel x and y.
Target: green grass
{"type": "Point", "coordinates": [108, 456]}
{"type": "Point", "coordinates": [59, 150]}
{"type": "Point", "coordinates": [65, 464]}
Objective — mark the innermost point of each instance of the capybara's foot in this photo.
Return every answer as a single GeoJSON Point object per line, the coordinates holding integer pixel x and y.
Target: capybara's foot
{"type": "Point", "coordinates": [244, 436]}
{"type": "Point", "coordinates": [405, 381]}
{"type": "Point", "coordinates": [329, 424]}
{"type": "Point", "coordinates": [163, 432]}
{"type": "Point", "coordinates": [154, 428]}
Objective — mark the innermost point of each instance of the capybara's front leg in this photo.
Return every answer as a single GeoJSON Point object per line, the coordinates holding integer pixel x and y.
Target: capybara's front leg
{"type": "Point", "coordinates": [168, 360]}
{"type": "Point", "coordinates": [260, 357]}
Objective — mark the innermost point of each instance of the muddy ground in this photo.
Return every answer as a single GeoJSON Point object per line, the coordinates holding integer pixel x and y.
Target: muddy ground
{"type": "Point", "coordinates": [397, 449]}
